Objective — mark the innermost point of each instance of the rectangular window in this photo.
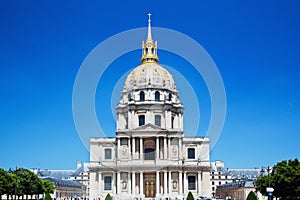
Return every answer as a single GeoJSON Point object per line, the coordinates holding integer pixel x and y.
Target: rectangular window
{"type": "Point", "coordinates": [107, 183]}
{"type": "Point", "coordinates": [107, 153]}
{"type": "Point", "coordinates": [141, 120]}
{"type": "Point", "coordinates": [191, 182]}
{"type": "Point", "coordinates": [191, 153]}
{"type": "Point", "coordinates": [157, 120]}
{"type": "Point", "coordinates": [124, 141]}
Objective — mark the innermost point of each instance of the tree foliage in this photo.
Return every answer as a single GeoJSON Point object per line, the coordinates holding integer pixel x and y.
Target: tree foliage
{"type": "Point", "coordinates": [48, 186]}
{"type": "Point", "coordinates": [251, 196]}
{"type": "Point", "coordinates": [284, 178]}
{"type": "Point", "coordinates": [21, 182]}
{"type": "Point", "coordinates": [190, 196]}
{"type": "Point", "coordinates": [4, 182]}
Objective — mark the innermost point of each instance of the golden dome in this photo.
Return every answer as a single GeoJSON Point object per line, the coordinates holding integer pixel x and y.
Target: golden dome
{"type": "Point", "coordinates": [149, 73]}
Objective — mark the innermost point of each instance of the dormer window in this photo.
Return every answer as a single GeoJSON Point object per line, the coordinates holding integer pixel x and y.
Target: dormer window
{"type": "Point", "coordinates": [157, 96]}
{"type": "Point", "coordinates": [142, 96]}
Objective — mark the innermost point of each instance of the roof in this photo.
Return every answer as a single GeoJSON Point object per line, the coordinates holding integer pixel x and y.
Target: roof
{"type": "Point", "coordinates": [239, 184]}
{"type": "Point", "coordinates": [59, 183]}
{"type": "Point", "coordinates": [58, 174]}
{"type": "Point", "coordinates": [244, 173]}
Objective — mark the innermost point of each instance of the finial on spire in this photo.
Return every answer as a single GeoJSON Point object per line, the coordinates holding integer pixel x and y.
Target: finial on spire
{"type": "Point", "coordinates": [149, 28]}
{"type": "Point", "coordinates": [149, 49]}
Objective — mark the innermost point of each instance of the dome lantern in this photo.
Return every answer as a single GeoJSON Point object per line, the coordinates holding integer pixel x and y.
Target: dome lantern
{"type": "Point", "coordinates": [149, 54]}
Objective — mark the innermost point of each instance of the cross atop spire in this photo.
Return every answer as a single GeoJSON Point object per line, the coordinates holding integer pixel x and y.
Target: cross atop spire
{"type": "Point", "coordinates": [149, 38]}
{"type": "Point", "coordinates": [150, 48]}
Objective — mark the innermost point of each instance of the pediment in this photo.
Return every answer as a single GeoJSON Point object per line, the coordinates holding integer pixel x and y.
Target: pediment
{"type": "Point", "coordinates": [149, 127]}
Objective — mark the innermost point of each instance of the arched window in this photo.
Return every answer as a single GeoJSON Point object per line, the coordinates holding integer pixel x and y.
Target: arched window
{"type": "Point", "coordinates": [142, 96]}
{"type": "Point", "coordinates": [170, 97]}
{"type": "Point", "coordinates": [149, 150]}
{"type": "Point", "coordinates": [157, 120]}
{"type": "Point", "coordinates": [129, 97]}
{"type": "Point", "coordinates": [157, 96]}
{"type": "Point", "coordinates": [141, 120]}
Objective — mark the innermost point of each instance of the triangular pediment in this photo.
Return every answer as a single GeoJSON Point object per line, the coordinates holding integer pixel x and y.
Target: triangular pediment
{"type": "Point", "coordinates": [149, 127]}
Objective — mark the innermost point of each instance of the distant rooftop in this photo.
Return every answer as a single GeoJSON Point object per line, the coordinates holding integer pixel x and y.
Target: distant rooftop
{"type": "Point", "coordinates": [239, 184]}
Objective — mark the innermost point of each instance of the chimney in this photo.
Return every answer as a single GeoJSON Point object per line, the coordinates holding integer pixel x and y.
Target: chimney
{"type": "Point", "coordinates": [79, 164]}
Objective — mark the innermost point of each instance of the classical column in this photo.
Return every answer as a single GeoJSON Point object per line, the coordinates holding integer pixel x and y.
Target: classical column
{"type": "Point", "coordinates": [133, 183]}
{"type": "Point", "coordinates": [199, 183]}
{"type": "Point", "coordinates": [165, 148]}
{"type": "Point", "coordinates": [165, 182]}
{"type": "Point", "coordinates": [118, 150]}
{"type": "Point", "coordinates": [157, 148]}
{"type": "Point", "coordinates": [157, 183]}
{"type": "Point", "coordinates": [180, 148]}
{"type": "Point", "coordinates": [129, 183]}
{"type": "Point", "coordinates": [141, 148]}
{"type": "Point", "coordinates": [114, 183]}
{"type": "Point", "coordinates": [100, 182]}
{"type": "Point", "coordinates": [133, 148]}
{"type": "Point", "coordinates": [141, 183]}
{"type": "Point", "coordinates": [170, 182]}
{"type": "Point", "coordinates": [184, 183]}
{"type": "Point", "coordinates": [169, 145]}
{"type": "Point", "coordinates": [129, 147]}
{"type": "Point", "coordinates": [119, 182]}
{"type": "Point", "coordinates": [180, 182]}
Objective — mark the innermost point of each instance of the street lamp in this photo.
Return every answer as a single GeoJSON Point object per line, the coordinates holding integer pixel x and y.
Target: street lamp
{"type": "Point", "coordinates": [268, 189]}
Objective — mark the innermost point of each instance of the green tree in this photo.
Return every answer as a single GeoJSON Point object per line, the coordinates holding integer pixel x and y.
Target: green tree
{"type": "Point", "coordinates": [108, 197]}
{"type": "Point", "coordinates": [47, 197]}
{"type": "Point", "coordinates": [48, 187]}
{"type": "Point", "coordinates": [10, 185]}
{"type": "Point", "coordinates": [4, 180]}
{"type": "Point", "coordinates": [284, 178]}
{"type": "Point", "coordinates": [190, 196]}
{"type": "Point", "coordinates": [24, 182]}
{"type": "Point", "coordinates": [251, 196]}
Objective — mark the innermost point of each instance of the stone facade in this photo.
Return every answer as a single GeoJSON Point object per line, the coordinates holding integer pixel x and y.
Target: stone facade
{"type": "Point", "coordinates": [149, 157]}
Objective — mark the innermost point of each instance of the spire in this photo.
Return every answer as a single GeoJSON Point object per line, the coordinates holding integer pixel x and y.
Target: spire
{"type": "Point", "coordinates": [149, 38]}
{"type": "Point", "coordinates": [150, 48]}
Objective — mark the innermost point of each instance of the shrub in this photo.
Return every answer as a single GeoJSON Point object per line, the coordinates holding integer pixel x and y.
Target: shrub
{"type": "Point", "coordinates": [251, 196]}
{"type": "Point", "coordinates": [190, 196]}
{"type": "Point", "coordinates": [108, 197]}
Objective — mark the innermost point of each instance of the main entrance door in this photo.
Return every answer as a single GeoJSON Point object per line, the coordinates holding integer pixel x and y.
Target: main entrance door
{"type": "Point", "coordinates": [149, 188]}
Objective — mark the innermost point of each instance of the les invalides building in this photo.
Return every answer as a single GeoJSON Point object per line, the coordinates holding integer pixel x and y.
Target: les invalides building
{"type": "Point", "coordinates": [149, 158]}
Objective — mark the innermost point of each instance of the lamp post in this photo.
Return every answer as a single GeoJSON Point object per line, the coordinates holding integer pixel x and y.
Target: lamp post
{"type": "Point", "coordinates": [268, 189]}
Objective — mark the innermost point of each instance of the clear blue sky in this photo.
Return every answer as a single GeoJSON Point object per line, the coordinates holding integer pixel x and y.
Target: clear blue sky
{"type": "Point", "coordinates": [255, 45]}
